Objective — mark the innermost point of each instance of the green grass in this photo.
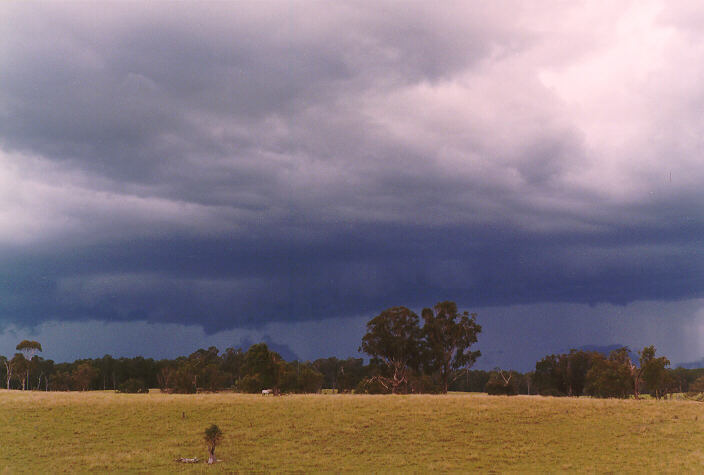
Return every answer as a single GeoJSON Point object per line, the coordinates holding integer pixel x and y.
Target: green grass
{"type": "Point", "coordinates": [103, 431]}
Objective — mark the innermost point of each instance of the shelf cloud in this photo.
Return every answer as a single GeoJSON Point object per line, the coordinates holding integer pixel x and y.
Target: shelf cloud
{"type": "Point", "coordinates": [238, 166]}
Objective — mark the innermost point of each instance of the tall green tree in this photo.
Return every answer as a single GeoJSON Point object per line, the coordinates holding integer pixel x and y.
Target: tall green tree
{"type": "Point", "coordinates": [394, 337]}
{"type": "Point", "coordinates": [576, 367]}
{"type": "Point", "coordinates": [260, 369]}
{"type": "Point", "coordinates": [449, 336]}
{"type": "Point", "coordinates": [29, 348]}
{"type": "Point", "coordinates": [83, 375]}
{"type": "Point", "coordinates": [610, 377]}
{"type": "Point", "coordinates": [232, 361]}
{"type": "Point", "coordinates": [9, 368]}
{"type": "Point", "coordinates": [653, 370]}
{"type": "Point", "coordinates": [21, 366]}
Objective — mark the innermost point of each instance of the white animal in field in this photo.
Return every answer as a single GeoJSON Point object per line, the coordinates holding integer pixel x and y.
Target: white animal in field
{"type": "Point", "coordinates": [267, 391]}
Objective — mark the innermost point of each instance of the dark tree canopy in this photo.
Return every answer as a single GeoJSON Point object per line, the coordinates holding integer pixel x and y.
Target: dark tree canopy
{"type": "Point", "coordinates": [653, 371]}
{"type": "Point", "coordinates": [394, 337]}
{"type": "Point", "coordinates": [563, 375]}
{"type": "Point", "coordinates": [262, 368]}
{"type": "Point", "coordinates": [612, 376]}
{"type": "Point", "coordinates": [449, 336]}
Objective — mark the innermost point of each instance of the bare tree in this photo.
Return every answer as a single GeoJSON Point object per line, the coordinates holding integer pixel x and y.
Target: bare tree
{"type": "Point", "coordinates": [503, 376]}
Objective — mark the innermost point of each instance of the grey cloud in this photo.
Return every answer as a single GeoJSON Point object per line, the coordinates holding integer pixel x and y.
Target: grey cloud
{"type": "Point", "coordinates": [238, 165]}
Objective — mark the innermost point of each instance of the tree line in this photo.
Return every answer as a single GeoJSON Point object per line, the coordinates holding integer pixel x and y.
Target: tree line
{"type": "Point", "coordinates": [404, 357]}
{"type": "Point", "coordinates": [617, 375]}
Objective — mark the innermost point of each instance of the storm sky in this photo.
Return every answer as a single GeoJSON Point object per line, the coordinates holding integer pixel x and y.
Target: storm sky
{"type": "Point", "coordinates": [179, 175]}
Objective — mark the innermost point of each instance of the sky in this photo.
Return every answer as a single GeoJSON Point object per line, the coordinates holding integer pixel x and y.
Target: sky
{"type": "Point", "coordinates": [175, 176]}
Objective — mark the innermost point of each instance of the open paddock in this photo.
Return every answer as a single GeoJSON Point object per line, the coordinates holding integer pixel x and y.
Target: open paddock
{"type": "Point", "coordinates": [104, 431]}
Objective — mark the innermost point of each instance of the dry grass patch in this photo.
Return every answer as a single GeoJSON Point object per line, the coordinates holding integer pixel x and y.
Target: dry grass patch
{"type": "Point", "coordinates": [49, 432]}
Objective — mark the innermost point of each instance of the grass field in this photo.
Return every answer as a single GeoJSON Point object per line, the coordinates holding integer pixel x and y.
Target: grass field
{"type": "Point", "coordinates": [103, 431]}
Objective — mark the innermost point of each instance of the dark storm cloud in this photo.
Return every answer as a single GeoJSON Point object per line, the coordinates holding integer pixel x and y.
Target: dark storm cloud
{"type": "Point", "coordinates": [231, 166]}
{"type": "Point", "coordinates": [245, 283]}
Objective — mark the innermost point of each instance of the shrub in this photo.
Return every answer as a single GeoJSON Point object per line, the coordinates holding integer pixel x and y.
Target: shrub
{"type": "Point", "coordinates": [502, 384]}
{"type": "Point", "coordinates": [133, 386]}
{"type": "Point", "coordinates": [551, 392]}
{"type": "Point", "coordinates": [212, 436]}
{"type": "Point", "coordinates": [251, 383]}
{"type": "Point", "coordinates": [371, 386]}
{"type": "Point", "coordinates": [697, 386]}
{"type": "Point", "coordinates": [424, 384]}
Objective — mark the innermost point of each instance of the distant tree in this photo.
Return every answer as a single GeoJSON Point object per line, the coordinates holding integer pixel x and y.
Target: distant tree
{"type": "Point", "coordinates": [330, 368]}
{"type": "Point", "coordinates": [394, 337]}
{"type": "Point", "coordinates": [166, 372]}
{"type": "Point", "coordinates": [423, 383]}
{"type": "Point", "coordinates": [610, 377]}
{"type": "Point", "coordinates": [83, 375]}
{"type": "Point", "coordinates": [205, 366]}
{"type": "Point", "coordinates": [260, 368]}
{"type": "Point", "coordinates": [9, 368]}
{"type": "Point", "coordinates": [62, 381]}
{"type": "Point", "coordinates": [134, 386]}
{"type": "Point", "coordinates": [212, 436]}
{"type": "Point", "coordinates": [29, 348]}
{"type": "Point", "coordinates": [449, 336]}
{"type": "Point", "coordinates": [502, 383]}
{"type": "Point", "coordinates": [549, 376]}
{"type": "Point", "coordinates": [622, 356]}
{"type": "Point", "coordinates": [44, 368]}
{"type": "Point", "coordinates": [343, 375]}
{"type": "Point", "coordinates": [182, 380]}
{"type": "Point", "coordinates": [371, 385]}
{"type": "Point", "coordinates": [213, 379]}
{"type": "Point", "coordinates": [21, 369]}
{"type": "Point", "coordinates": [473, 381]}
{"type": "Point", "coordinates": [351, 372]}
{"type": "Point", "coordinates": [252, 383]}
{"type": "Point", "coordinates": [653, 370]}
{"type": "Point", "coordinates": [232, 361]}
{"type": "Point", "coordinates": [107, 371]}
{"type": "Point", "coordinates": [698, 385]}
{"type": "Point", "coordinates": [680, 379]}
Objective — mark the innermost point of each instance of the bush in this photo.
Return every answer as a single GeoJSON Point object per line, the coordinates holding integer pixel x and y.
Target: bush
{"type": "Point", "coordinates": [133, 386]}
{"type": "Point", "coordinates": [251, 383]}
{"type": "Point", "coordinates": [697, 386]}
{"type": "Point", "coordinates": [551, 392]}
{"type": "Point", "coordinates": [371, 386]}
{"type": "Point", "coordinates": [182, 382]}
{"type": "Point", "coordinates": [499, 386]}
{"type": "Point", "coordinates": [424, 384]}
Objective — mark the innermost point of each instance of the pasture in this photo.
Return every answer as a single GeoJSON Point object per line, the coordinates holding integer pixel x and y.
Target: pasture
{"type": "Point", "coordinates": [104, 431]}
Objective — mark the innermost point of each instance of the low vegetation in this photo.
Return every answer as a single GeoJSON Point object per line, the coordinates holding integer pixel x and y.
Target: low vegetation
{"type": "Point", "coordinates": [106, 431]}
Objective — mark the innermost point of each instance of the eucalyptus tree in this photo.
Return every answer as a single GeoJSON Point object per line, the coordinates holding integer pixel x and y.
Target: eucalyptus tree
{"type": "Point", "coordinates": [395, 338]}
{"type": "Point", "coordinates": [9, 367]}
{"type": "Point", "coordinates": [653, 370]}
{"type": "Point", "coordinates": [29, 348]}
{"type": "Point", "coordinates": [212, 436]}
{"type": "Point", "coordinates": [449, 336]}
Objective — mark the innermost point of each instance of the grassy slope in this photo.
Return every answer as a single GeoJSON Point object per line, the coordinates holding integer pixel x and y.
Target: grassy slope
{"type": "Point", "coordinates": [49, 432]}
